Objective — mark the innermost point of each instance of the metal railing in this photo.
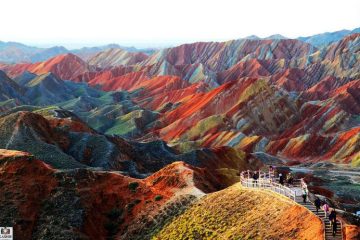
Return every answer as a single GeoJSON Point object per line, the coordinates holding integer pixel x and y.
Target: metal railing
{"type": "Point", "coordinates": [266, 181]}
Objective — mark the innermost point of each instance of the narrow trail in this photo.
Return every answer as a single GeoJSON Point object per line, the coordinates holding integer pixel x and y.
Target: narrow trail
{"type": "Point", "coordinates": [321, 215]}
{"type": "Point", "coordinates": [295, 195]}
{"type": "Point", "coordinates": [14, 134]}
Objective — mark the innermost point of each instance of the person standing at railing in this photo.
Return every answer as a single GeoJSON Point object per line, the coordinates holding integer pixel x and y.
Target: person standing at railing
{"type": "Point", "coordinates": [272, 174]}
{"type": "Point", "coordinates": [304, 194]}
{"type": "Point", "coordinates": [255, 178]}
{"type": "Point", "coordinates": [303, 184]}
{"type": "Point", "coordinates": [317, 204]}
{"type": "Point", "coordinates": [290, 179]}
{"type": "Point", "coordinates": [281, 179]}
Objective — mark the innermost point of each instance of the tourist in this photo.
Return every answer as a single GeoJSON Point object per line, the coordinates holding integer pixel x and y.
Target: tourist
{"type": "Point", "coordinates": [255, 178]}
{"type": "Point", "coordinates": [303, 184]}
{"type": "Point", "coordinates": [334, 227]}
{"type": "Point", "coordinates": [304, 195]}
{"type": "Point", "coordinates": [326, 209]}
{"type": "Point", "coordinates": [281, 179]}
{"type": "Point", "coordinates": [289, 179]}
{"type": "Point", "coordinates": [271, 172]}
{"type": "Point", "coordinates": [332, 216]}
{"type": "Point", "coordinates": [317, 204]}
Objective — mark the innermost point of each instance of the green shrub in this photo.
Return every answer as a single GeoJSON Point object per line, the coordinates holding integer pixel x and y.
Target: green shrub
{"type": "Point", "coordinates": [158, 197]}
{"type": "Point", "coordinates": [114, 214]}
{"type": "Point", "coordinates": [131, 205]}
{"type": "Point", "coordinates": [133, 186]}
{"type": "Point", "coordinates": [111, 228]}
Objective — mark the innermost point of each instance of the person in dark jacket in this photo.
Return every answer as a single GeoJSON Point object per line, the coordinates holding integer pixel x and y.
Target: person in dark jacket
{"type": "Point", "coordinates": [281, 179]}
{"type": "Point", "coordinates": [334, 227]}
{"type": "Point", "coordinates": [255, 178]}
{"type": "Point", "coordinates": [304, 194]}
{"type": "Point", "coordinates": [317, 204]}
{"type": "Point", "coordinates": [332, 216]}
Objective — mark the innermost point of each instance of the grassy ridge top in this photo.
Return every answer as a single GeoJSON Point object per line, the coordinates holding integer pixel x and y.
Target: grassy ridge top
{"type": "Point", "coordinates": [239, 213]}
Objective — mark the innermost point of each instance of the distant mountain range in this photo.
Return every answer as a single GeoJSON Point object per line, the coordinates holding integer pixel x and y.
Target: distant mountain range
{"type": "Point", "coordinates": [271, 37]}
{"type": "Point", "coordinates": [318, 40]}
{"type": "Point", "coordinates": [13, 52]}
{"type": "Point", "coordinates": [324, 39]}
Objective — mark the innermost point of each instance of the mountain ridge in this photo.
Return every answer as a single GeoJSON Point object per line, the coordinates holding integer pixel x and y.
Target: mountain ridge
{"type": "Point", "coordinates": [14, 52]}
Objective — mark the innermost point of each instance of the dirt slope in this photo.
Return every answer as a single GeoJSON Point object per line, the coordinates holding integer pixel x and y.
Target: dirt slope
{"type": "Point", "coordinates": [238, 213]}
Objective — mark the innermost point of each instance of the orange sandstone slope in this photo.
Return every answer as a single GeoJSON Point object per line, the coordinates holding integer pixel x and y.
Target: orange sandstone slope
{"type": "Point", "coordinates": [24, 182]}
{"type": "Point", "coordinates": [89, 204]}
{"type": "Point", "coordinates": [250, 114]}
{"type": "Point", "coordinates": [159, 92]}
{"type": "Point", "coordinates": [103, 74]}
{"type": "Point", "coordinates": [121, 82]}
{"type": "Point", "coordinates": [66, 66]}
{"type": "Point", "coordinates": [71, 67]}
{"type": "Point", "coordinates": [235, 103]}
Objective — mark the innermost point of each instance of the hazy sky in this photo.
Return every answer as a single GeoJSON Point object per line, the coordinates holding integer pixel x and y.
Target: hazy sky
{"type": "Point", "coordinates": [142, 23]}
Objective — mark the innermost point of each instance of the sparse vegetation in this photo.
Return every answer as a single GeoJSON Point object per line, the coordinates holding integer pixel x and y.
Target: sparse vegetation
{"type": "Point", "coordinates": [133, 186]}
{"type": "Point", "coordinates": [115, 214]}
{"type": "Point", "coordinates": [158, 197]}
{"type": "Point", "coordinates": [237, 213]}
{"type": "Point", "coordinates": [111, 228]}
{"type": "Point", "coordinates": [115, 218]}
{"type": "Point", "coordinates": [131, 205]}
{"type": "Point", "coordinates": [157, 180]}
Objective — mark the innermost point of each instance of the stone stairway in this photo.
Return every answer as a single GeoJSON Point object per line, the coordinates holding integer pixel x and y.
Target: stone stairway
{"type": "Point", "coordinates": [321, 215]}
